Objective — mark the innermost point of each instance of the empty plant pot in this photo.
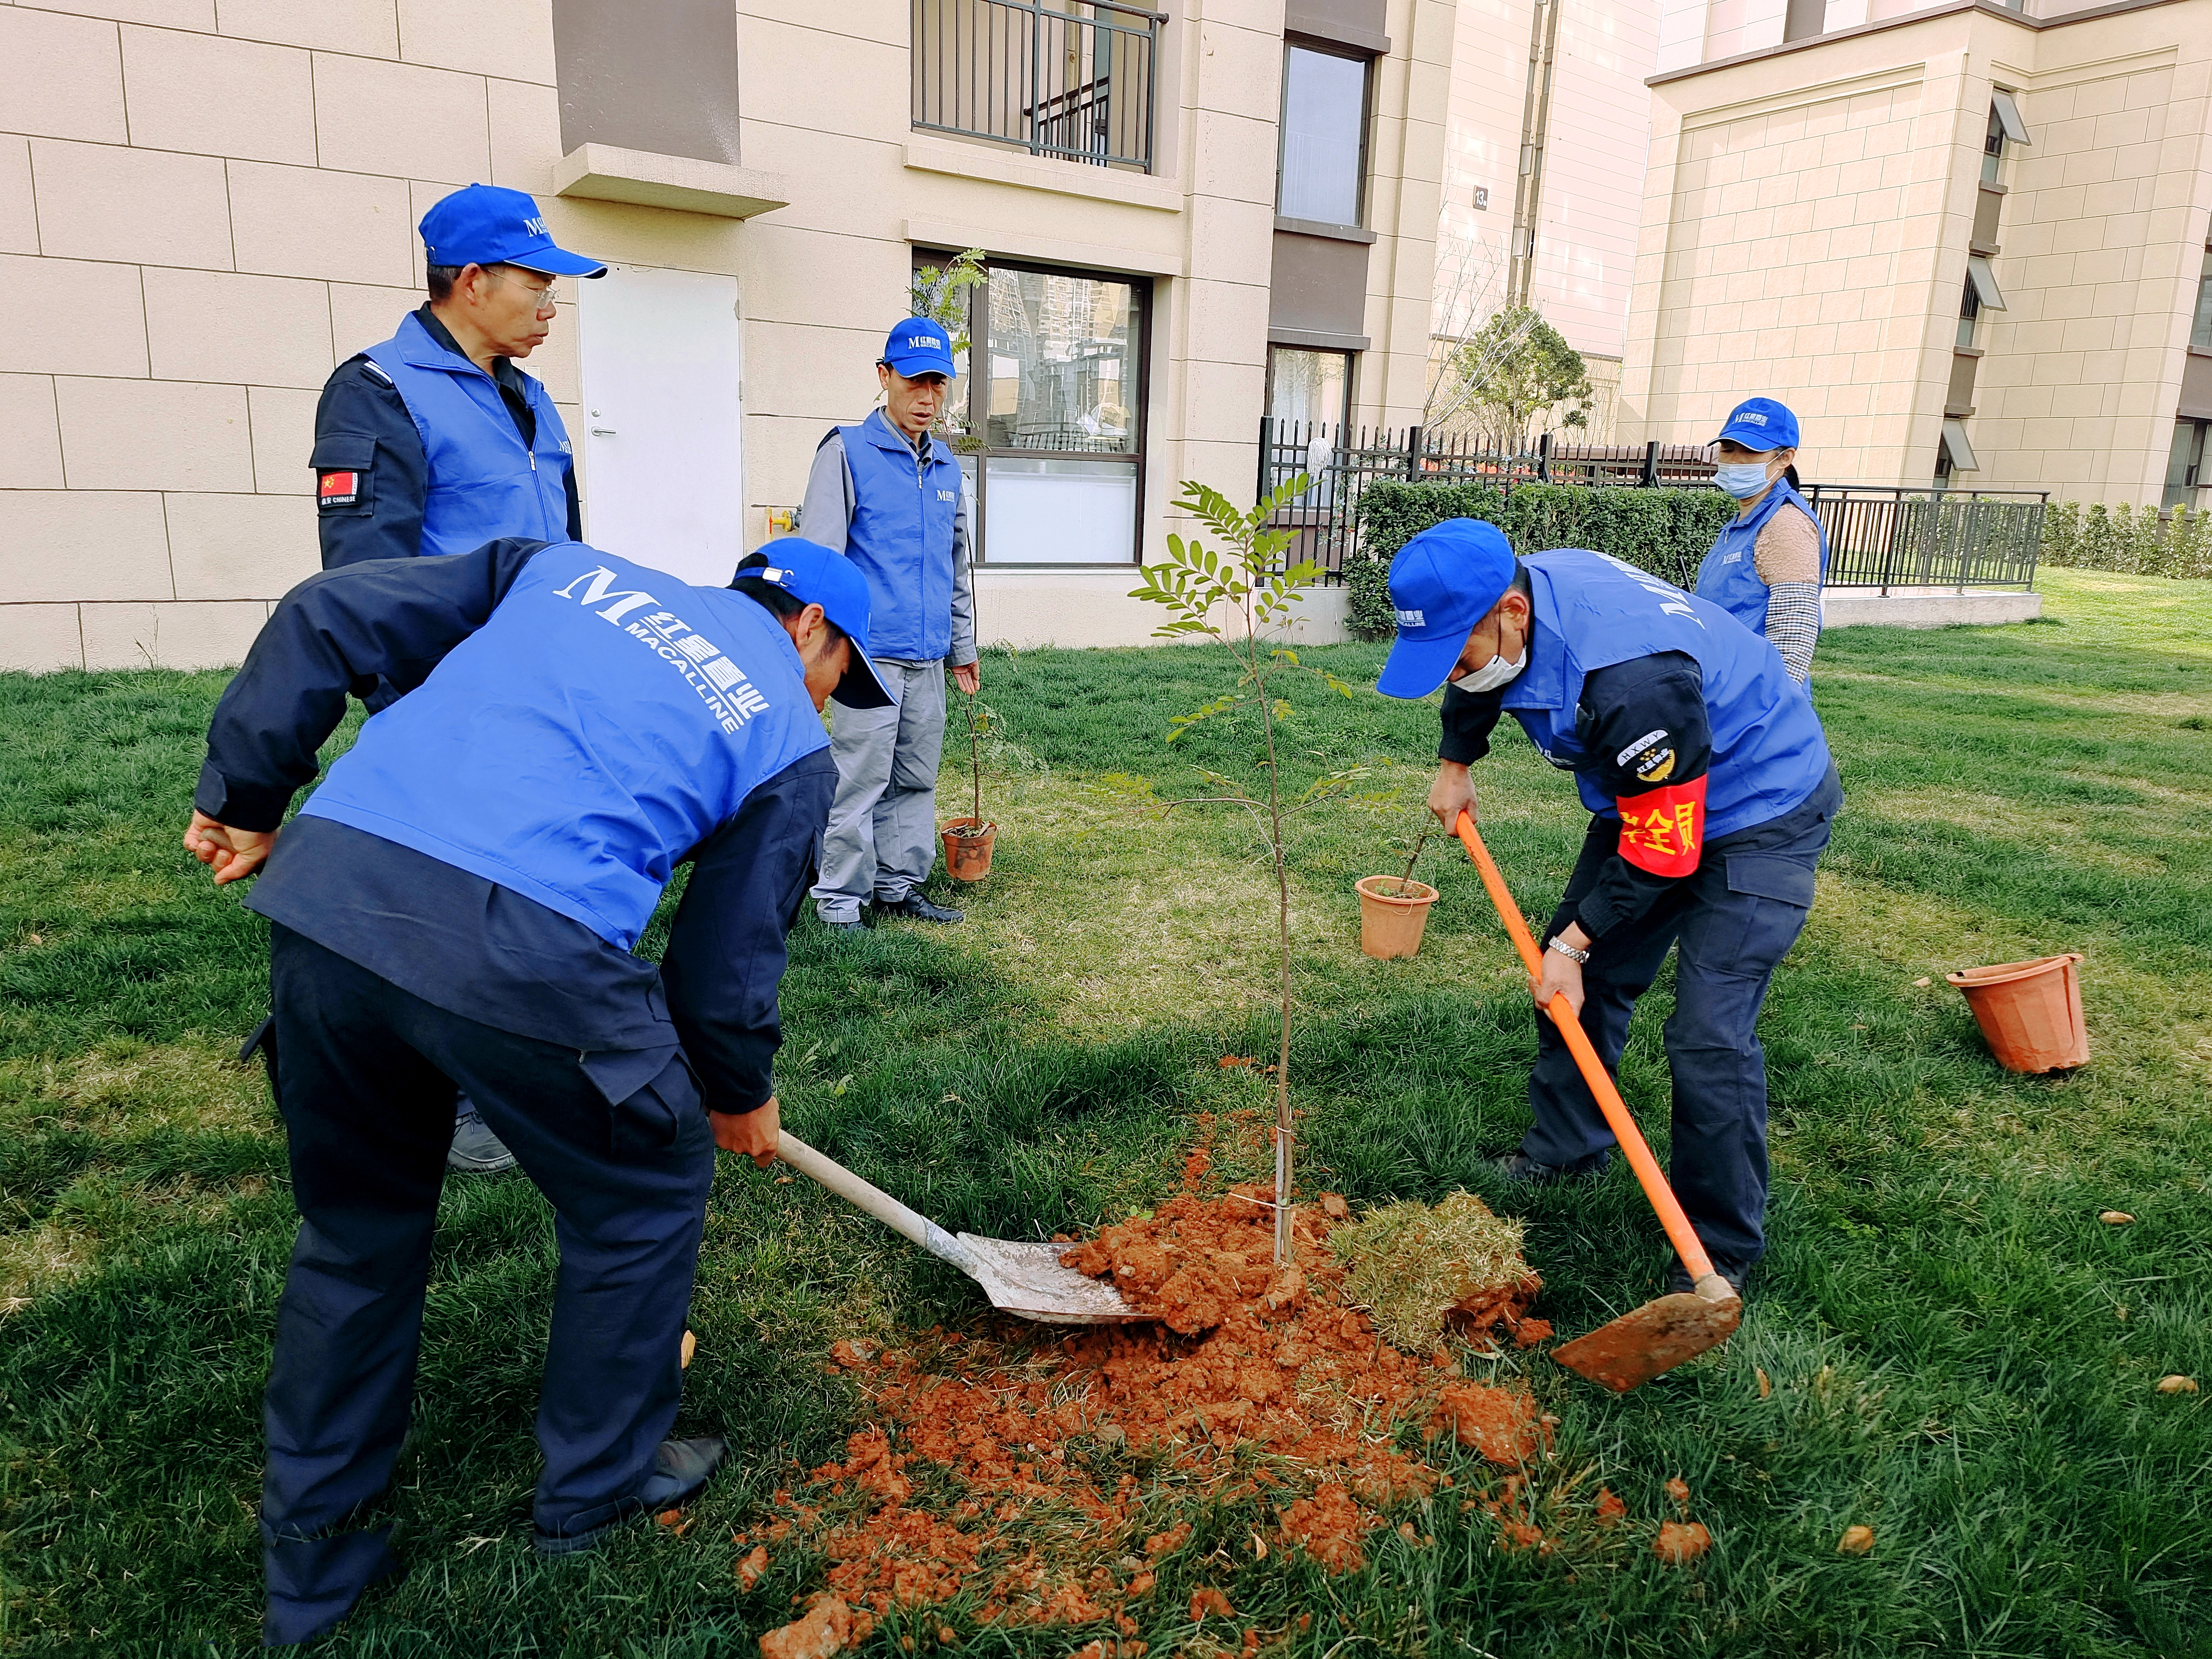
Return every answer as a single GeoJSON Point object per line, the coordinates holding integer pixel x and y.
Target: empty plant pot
{"type": "Point", "coordinates": [968, 843]}
{"type": "Point", "coordinates": [2030, 1011]}
{"type": "Point", "coordinates": [1390, 921]}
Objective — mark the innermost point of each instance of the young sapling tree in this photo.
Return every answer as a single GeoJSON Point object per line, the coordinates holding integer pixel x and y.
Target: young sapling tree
{"type": "Point", "coordinates": [1242, 598]}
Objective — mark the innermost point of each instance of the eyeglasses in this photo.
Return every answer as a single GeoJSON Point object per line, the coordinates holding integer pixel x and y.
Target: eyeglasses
{"type": "Point", "coordinates": [548, 297]}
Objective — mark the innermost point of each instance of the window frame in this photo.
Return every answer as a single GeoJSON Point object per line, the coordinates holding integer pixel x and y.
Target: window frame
{"type": "Point", "coordinates": [976, 398]}
{"type": "Point", "coordinates": [1343, 420]}
{"type": "Point", "coordinates": [1366, 61]}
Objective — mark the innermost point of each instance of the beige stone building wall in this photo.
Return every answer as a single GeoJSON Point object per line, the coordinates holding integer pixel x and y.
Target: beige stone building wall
{"type": "Point", "coordinates": [204, 209]}
{"type": "Point", "coordinates": [1806, 219]}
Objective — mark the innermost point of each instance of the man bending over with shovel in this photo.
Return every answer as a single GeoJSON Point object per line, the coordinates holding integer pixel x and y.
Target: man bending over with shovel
{"type": "Point", "coordinates": [1713, 789]}
{"type": "Point", "coordinates": [456, 906]}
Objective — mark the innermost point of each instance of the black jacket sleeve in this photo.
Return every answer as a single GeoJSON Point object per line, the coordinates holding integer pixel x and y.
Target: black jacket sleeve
{"type": "Point", "coordinates": [334, 632]}
{"type": "Point", "coordinates": [726, 953]}
{"type": "Point", "coordinates": [1469, 718]}
{"type": "Point", "coordinates": [1643, 725]}
{"type": "Point", "coordinates": [363, 427]}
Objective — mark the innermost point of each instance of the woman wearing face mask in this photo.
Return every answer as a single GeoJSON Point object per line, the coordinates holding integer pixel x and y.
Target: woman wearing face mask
{"type": "Point", "coordinates": [1766, 569]}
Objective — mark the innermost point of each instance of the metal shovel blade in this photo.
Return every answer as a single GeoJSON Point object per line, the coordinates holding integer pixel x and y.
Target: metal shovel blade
{"type": "Point", "coordinates": [1028, 1281]}
{"type": "Point", "coordinates": [1650, 1340]}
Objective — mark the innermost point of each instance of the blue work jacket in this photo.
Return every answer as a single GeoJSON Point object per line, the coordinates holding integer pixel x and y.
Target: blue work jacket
{"type": "Point", "coordinates": [1592, 611]}
{"type": "Point", "coordinates": [1728, 575]}
{"type": "Point", "coordinates": [602, 723]}
{"type": "Point", "coordinates": [485, 483]}
{"type": "Point", "coordinates": [901, 537]}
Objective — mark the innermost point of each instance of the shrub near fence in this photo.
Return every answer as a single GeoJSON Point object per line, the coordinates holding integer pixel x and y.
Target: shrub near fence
{"type": "Point", "coordinates": [1665, 531]}
{"type": "Point", "coordinates": [2137, 541]}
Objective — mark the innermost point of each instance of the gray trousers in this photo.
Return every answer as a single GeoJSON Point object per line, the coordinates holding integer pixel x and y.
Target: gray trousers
{"type": "Point", "coordinates": [882, 838]}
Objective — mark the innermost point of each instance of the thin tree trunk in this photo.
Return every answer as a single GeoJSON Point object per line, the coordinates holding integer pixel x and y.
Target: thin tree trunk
{"type": "Point", "coordinates": [1283, 1124]}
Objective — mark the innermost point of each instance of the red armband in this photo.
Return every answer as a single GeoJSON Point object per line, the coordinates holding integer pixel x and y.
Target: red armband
{"type": "Point", "coordinates": [1664, 831]}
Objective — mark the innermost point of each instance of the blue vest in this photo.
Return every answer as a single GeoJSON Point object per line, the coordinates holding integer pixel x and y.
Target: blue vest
{"type": "Point", "coordinates": [1593, 611]}
{"type": "Point", "coordinates": [604, 722]}
{"type": "Point", "coordinates": [902, 538]}
{"type": "Point", "coordinates": [483, 482]}
{"type": "Point", "coordinates": [1729, 576]}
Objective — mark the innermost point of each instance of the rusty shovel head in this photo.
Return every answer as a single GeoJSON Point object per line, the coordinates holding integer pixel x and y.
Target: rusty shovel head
{"type": "Point", "coordinates": [1650, 1340]}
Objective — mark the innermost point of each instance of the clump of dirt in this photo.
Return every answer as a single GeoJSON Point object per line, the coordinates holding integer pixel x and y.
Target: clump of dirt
{"type": "Point", "coordinates": [1680, 1542]}
{"type": "Point", "coordinates": [1417, 1268]}
{"type": "Point", "coordinates": [1329, 1527]}
{"type": "Point", "coordinates": [1503, 1425]}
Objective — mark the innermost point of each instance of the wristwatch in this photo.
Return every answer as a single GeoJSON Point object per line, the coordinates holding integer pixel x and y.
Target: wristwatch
{"type": "Point", "coordinates": [1555, 942]}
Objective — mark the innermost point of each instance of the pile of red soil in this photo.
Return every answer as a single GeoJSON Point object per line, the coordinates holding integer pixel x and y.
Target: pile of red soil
{"type": "Point", "coordinates": [996, 1466]}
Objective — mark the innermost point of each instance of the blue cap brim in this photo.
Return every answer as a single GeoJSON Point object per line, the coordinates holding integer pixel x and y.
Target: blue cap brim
{"type": "Point", "coordinates": [915, 368]}
{"type": "Point", "coordinates": [1417, 667]}
{"type": "Point", "coordinates": [862, 686]}
{"type": "Point", "coordinates": [552, 261]}
{"type": "Point", "coordinates": [1756, 439]}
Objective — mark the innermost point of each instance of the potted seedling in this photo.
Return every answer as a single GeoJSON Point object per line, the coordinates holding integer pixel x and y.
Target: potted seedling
{"type": "Point", "coordinates": [969, 841]}
{"type": "Point", "coordinates": [1393, 909]}
{"type": "Point", "coordinates": [1242, 598]}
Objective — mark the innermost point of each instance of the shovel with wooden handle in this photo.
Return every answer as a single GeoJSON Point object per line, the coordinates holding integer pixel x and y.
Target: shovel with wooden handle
{"type": "Point", "coordinates": [1660, 1335]}
{"type": "Point", "coordinates": [1020, 1279]}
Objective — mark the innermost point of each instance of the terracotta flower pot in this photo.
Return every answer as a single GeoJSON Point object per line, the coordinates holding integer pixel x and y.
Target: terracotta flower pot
{"type": "Point", "coordinates": [1390, 922]}
{"type": "Point", "coordinates": [2030, 1011]}
{"type": "Point", "coordinates": [968, 857]}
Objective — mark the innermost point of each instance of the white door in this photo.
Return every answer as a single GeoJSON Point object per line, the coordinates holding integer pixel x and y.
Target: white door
{"type": "Point", "coordinates": [662, 480]}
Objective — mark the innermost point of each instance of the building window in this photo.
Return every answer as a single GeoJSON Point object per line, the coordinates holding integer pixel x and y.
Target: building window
{"type": "Point", "coordinates": [1308, 387]}
{"type": "Point", "coordinates": [1982, 282]}
{"type": "Point", "coordinates": [1051, 416]}
{"type": "Point", "coordinates": [2005, 128]}
{"type": "Point", "coordinates": [2200, 330]}
{"type": "Point", "coordinates": [2184, 465]}
{"type": "Point", "coordinates": [1970, 310]}
{"type": "Point", "coordinates": [1953, 453]}
{"type": "Point", "coordinates": [1320, 173]}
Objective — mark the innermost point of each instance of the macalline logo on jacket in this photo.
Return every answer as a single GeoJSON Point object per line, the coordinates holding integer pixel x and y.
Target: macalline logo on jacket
{"type": "Point", "coordinates": [603, 722]}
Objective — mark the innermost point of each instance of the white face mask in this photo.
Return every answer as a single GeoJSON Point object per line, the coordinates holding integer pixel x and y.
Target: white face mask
{"type": "Point", "coordinates": [1742, 480]}
{"type": "Point", "coordinates": [1494, 673]}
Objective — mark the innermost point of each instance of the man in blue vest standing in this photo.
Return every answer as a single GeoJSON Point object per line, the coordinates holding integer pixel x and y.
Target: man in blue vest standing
{"type": "Point", "coordinates": [458, 902]}
{"type": "Point", "coordinates": [889, 496]}
{"type": "Point", "coordinates": [1709, 779]}
{"type": "Point", "coordinates": [435, 443]}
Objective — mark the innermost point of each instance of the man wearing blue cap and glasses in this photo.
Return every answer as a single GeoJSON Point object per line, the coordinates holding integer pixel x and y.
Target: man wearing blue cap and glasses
{"type": "Point", "coordinates": [889, 497]}
{"type": "Point", "coordinates": [435, 443]}
{"type": "Point", "coordinates": [458, 902]}
{"type": "Point", "coordinates": [1709, 777]}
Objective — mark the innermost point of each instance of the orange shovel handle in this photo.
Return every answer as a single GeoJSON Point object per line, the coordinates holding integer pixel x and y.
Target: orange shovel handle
{"type": "Point", "coordinates": [1648, 1173]}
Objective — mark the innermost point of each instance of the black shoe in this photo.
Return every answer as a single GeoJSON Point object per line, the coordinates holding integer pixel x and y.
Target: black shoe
{"type": "Point", "coordinates": [1524, 1171]}
{"type": "Point", "coordinates": [680, 1468]}
{"type": "Point", "coordinates": [1678, 1282]}
{"type": "Point", "coordinates": [475, 1149]}
{"type": "Point", "coordinates": [919, 908]}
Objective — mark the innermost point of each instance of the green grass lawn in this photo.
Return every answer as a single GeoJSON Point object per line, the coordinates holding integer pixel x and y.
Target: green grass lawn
{"type": "Point", "coordinates": [1960, 1355]}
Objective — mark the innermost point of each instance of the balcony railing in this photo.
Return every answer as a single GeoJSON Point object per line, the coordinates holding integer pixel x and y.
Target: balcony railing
{"type": "Point", "coordinates": [1074, 80]}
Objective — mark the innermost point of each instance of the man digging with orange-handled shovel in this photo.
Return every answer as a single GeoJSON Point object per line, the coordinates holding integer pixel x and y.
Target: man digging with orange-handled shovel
{"type": "Point", "coordinates": [1712, 788]}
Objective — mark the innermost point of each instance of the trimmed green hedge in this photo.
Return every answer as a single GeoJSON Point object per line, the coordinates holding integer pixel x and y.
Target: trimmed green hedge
{"type": "Point", "coordinates": [2137, 541]}
{"type": "Point", "coordinates": [1665, 531]}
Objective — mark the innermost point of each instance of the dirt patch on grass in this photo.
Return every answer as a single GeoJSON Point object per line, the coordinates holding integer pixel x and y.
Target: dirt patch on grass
{"type": "Point", "coordinates": [1045, 1473]}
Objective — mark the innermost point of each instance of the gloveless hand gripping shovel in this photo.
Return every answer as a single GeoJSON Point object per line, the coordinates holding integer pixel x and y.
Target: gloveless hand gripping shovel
{"type": "Point", "coordinates": [1660, 1335]}
{"type": "Point", "coordinates": [1020, 1279]}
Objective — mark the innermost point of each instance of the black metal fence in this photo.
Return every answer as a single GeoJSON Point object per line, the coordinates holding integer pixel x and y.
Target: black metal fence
{"type": "Point", "coordinates": [1878, 536]}
{"type": "Point", "coordinates": [1074, 80]}
{"type": "Point", "coordinates": [1886, 538]}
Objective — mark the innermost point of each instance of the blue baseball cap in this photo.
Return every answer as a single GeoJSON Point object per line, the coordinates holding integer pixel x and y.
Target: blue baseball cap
{"type": "Point", "coordinates": [1442, 583]}
{"type": "Point", "coordinates": [1760, 423]}
{"type": "Point", "coordinates": [812, 574]}
{"type": "Point", "coordinates": [485, 225]}
{"type": "Point", "coordinates": [917, 347]}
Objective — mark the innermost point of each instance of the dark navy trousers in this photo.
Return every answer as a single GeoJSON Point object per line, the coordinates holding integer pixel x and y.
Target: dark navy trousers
{"type": "Point", "coordinates": [1733, 918]}
{"type": "Point", "coordinates": [364, 1073]}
